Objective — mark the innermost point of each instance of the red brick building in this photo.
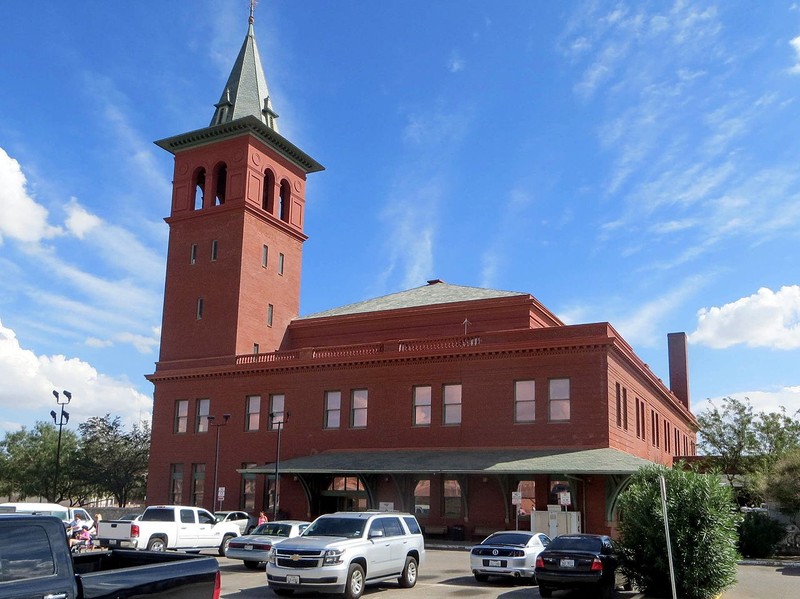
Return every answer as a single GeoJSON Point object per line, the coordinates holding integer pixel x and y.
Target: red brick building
{"type": "Point", "coordinates": [442, 400]}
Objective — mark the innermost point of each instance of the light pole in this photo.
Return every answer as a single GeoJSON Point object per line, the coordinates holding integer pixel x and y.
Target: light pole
{"type": "Point", "coordinates": [225, 418]}
{"type": "Point", "coordinates": [278, 420]}
{"type": "Point", "coordinates": [62, 420]}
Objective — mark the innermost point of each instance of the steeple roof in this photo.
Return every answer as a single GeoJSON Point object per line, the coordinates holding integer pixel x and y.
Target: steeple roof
{"type": "Point", "coordinates": [246, 92]}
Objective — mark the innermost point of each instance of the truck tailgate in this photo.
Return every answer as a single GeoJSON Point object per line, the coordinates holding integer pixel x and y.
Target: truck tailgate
{"type": "Point", "coordinates": [120, 573]}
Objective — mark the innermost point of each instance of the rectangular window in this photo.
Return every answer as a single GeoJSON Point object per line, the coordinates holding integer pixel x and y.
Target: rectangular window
{"type": "Point", "coordinates": [422, 406]}
{"type": "Point", "coordinates": [193, 254]}
{"type": "Point", "coordinates": [559, 400]}
{"type": "Point", "coordinates": [644, 421]}
{"type": "Point", "coordinates": [270, 313]}
{"type": "Point", "coordinates": [333, 409]}
{"type": "Point", "coordinates": [524, 401]}
{"type": "Point", "coordinates": [176, 484]}
{"type": "Point", "coordinates": [276, 411]}
{"type": "Point", "coordinates": [452, 498]}
{"type": "Point", "coordinates": [252, 412]}
{"type": "Point", "coordinates": [198, 483]}
{"type": "Point", "coordinates": [619, 405]}
{"type": "Point", "coordinates": [280, 263]}
{"type": "Point", "coordinates": [666, 437]}
{"type": "Point", "coordinates": [452, 404]}
{"type": "Point", "coordinates": [214, 247]}
{"type": "Point", "coordinates": [638, 423]}
{"type": "Point", "coordinates": [358, 408]}
{"type": "Point", "coordinates": [624, 408]}
{"type": "Point", "coordinates": [201, 415]}
{"type": "Point", "coordinates": [181, 415]}
{"type": "Point", "coordinates": [199, 308]}
{"type": "Point", "coordinates": [248, 501]}
{"type": "Point", "coordinates": [255, 348]}
{"type": "Point", "coordinates": [264, 255]}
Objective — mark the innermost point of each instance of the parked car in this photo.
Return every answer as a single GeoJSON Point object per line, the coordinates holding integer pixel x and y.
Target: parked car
{"type": "Point", "coordinates": [66, 514]}
{"type": "Point", "coordinates": [579, 561]}
{"type": "Point", "coordinates": [243, 520]}
{"type": "Point", "coordinates": [130, 517]}
{"type": "Point", "coordinates": [341, 553]}
{"type": "Point", "coordinates": [507, 553]}
{"type": "Point", "coordinates": [43, 566]}
{"type": "Point", "coordinates": [254, 548]}
{"type": "Point", "coordinates": [164, 527]}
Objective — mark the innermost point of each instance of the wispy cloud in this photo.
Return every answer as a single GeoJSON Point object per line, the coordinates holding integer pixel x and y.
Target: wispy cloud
{"type": "Point", "coordinates": [765, 319]}
{"type": "Point", "coordinates": [795, 68]}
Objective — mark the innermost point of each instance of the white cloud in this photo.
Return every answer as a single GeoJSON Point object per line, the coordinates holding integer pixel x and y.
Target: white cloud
{"type": "Point", "coordinates": [79, 221]}
{"type": "Point", "coordinates": [765, 400]}
{"type": "Point", "coordinates": [28, 382]}
{"type": "Point", "coordinates": [456, 63]}
{"type": "Point", "coordinates": [795, 43]}
{"type": "Point", "coordinates": [764, 319]}
{"type": "Point", "coordinates": [21, 217]}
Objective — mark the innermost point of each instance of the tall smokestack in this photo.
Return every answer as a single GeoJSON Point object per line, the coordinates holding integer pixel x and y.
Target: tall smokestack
{"type": "Point", "coordinates": [679, 366]}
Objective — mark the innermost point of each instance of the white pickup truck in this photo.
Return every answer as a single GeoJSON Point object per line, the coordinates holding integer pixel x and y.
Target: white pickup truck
{"type": "Point", "coordinates": [164, 527]}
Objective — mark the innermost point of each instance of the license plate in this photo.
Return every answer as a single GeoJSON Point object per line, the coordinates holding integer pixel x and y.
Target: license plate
{"type": "Point", "coordinates": [248, 547]}
{"type": "Point", "coordinates": [567, 563]}
{"type": "Point", "coordinates": [293, 580]}
{"type": "Point", "coordinates": [113, 542]}
{"type": "Point", "coordinates": [494, 563]}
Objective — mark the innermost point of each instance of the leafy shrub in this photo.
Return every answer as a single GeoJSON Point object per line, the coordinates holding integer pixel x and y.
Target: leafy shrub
{"type": "Point", "coordinates": [702, 526]}
{"type": "Point", "coordinates": [759, 534]}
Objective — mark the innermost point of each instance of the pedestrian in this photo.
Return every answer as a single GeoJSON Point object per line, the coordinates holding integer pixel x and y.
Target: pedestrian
{"type": "Point", "coordinates": [262, 518]}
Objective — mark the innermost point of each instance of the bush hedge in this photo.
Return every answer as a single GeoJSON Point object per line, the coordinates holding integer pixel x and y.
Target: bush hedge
{"type": "Point", "coordinates": [759, 535]}
{"type": "Point", "coordinates": [703, 531]}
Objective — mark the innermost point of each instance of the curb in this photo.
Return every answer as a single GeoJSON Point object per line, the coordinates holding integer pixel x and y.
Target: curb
{"type": "Point", "coordinates": [772, 563]}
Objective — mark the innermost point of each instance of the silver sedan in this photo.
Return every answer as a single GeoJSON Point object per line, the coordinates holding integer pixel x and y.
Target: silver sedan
{"type": "Point", "coordinates": [253, 548]}
{"type": "Point", "coordinates": [507, 553]}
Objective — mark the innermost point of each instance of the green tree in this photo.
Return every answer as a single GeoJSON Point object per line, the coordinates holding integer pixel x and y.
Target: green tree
{"type": "Point", "coordinates": [730, 434]}
{"type": "Point", "coordinates": [30, 461]}
{"type": "Point", "coordinates": [114, 461]}
{"type": "Point", "coordinates": [702, 526]}
{"type": "Point", "coordinates": [784, 484]}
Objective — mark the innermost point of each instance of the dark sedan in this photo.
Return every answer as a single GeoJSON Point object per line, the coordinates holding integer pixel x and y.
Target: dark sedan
{"type": "Point", "coordinates": [580, 561]}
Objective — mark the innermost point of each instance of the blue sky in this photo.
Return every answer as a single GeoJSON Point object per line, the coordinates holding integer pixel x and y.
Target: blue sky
{"type": "Point", "coordinates": [629, 162]}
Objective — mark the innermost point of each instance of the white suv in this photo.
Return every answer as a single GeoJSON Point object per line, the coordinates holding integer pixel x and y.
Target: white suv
{"type": "Point", "coordinates": [341, 552]}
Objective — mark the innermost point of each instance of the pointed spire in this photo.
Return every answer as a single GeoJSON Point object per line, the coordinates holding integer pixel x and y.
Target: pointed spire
{"type": "Point", "coordinates": [246, 91]}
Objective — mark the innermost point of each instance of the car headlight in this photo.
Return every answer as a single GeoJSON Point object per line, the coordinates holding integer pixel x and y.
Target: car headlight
{"type": "Point", "coordinates": [331, 557]}
{"type": "Point", "coordinates": [271, 556]}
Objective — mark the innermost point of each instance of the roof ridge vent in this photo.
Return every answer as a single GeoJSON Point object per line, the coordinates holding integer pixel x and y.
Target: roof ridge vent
{"type": "Point", "coordinates": [434, 281]}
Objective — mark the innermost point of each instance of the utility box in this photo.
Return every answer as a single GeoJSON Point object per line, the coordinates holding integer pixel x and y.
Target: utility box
{"type": "Point", "coordinates": [554, 523]}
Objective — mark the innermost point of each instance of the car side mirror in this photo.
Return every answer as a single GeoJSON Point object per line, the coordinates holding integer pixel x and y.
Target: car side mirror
{"type": "Point", "coordinates": [375, 534]}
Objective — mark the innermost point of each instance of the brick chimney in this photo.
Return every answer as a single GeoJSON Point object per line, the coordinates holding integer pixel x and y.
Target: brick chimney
{"type": "Point", "coordinates": [679, 366]}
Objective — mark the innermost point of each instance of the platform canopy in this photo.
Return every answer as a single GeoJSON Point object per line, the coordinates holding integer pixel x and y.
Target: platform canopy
{"type": "Point", "coordinates": [460, 461]}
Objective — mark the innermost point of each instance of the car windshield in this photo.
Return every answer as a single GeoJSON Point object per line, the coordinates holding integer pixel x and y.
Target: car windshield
{"type": "Point", "coordinates": [507, 538]}
{"type": "Point", "coordinates": [273, 529]}
{"type": "Point", "coordinates": [335, 527]}
{"type": "Point", "coordinates": [593, 544]}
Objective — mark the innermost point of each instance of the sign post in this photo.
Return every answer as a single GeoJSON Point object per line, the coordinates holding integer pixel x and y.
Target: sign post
{"type": "Point", "coordinates": [516, 501]}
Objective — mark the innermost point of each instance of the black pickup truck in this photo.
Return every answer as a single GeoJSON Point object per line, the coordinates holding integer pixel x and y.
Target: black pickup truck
{"type": "Point", "coordinates": [36, 562]}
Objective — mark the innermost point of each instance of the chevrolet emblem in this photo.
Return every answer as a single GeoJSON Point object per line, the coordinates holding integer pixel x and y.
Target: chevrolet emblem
{"type": "Point", "coordinates": [295, 557]}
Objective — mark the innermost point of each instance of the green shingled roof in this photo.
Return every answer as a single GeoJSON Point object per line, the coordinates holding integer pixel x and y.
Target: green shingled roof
{"type": "Point", "coordinates": [435, 292]}
{"type": "Point", "coordinates": [490, 461]}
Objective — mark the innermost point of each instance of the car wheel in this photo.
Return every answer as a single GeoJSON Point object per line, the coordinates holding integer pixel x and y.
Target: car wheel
{"type": "Point", "coordinates": [354, 586]}
{"type": "Point", "coordinates": [409, 576]}
{"type": "Point", "coordinates": [156, 544]}
{"type": "Point", "coordinates": [481, 577]}
{"type": "Point", "coordinates": [223, 547]}
{"type": "Point", "coordinates": [250, 564]}
{"type": "Point", "coordinates": [545, 591]}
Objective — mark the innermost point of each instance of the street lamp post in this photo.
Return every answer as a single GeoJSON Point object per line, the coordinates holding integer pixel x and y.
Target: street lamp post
{"type": "Point", "coordinates": [225, 418]}
{"type": "Point", "coordinates": [62, 420]}
{"type": "Point", "coordinates": [278, 420]}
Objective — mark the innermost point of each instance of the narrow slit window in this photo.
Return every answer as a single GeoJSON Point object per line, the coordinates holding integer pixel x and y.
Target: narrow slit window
{"type": "Point", "coordinates": [270, 314]}
{"type": "Point", "coordinates": [199, 308]}
{"type": "Point", "coordinates": [264, 255]}
{"type": "Point", "coordinates": [193, 254]}
{"type": "Point", "coordinates": [281, 260]}
{"type": "Point", "coordinates": [214, 250]}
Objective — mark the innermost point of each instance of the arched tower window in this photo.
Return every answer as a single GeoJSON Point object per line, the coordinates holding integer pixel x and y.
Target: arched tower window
{"type": "Point", "coordinates": [198, 187]}
{"type": "Point", "coordinates": [268, 195]}
{"type": "Point", "coordinates": [220, 183]}
{"type": "Point", "coordinates": [283, 208]}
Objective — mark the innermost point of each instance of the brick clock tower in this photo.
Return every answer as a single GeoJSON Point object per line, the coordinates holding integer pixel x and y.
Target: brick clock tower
{"type": "Point", "coordinates": [236, 227]}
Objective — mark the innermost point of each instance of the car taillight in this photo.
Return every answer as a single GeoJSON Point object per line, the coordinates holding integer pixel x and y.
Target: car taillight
{"type": "Point", "coordinates": [597, 565]}
{"type": "Point", "coordinates": [134, 530]}
{"type": "Point", "coordinates": [539, 562]}
{"type": "Point", "coordinates": [217, 585]}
